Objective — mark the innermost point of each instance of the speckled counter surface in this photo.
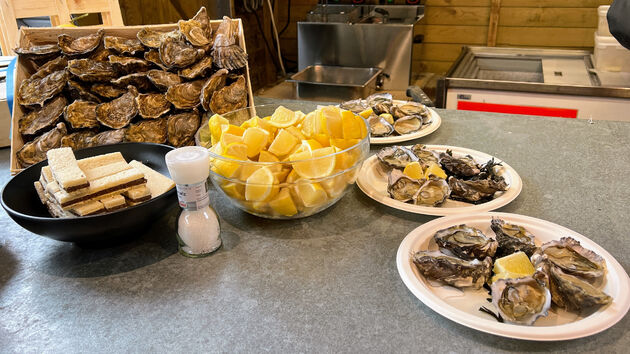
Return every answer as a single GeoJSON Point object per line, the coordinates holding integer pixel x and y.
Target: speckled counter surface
{"type": "Point", "coordinates": [327, 283]}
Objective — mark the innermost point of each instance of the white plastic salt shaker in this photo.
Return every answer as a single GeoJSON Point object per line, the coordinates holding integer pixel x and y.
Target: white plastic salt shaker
{"type": "Point", "coordinates": [198, 226]}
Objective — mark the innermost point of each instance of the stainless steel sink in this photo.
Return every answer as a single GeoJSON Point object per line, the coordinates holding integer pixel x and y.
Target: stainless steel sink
{"type": "Point", "coordinates": [336, 83]}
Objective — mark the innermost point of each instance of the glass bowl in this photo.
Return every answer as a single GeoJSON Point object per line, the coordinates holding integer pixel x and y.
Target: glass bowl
{"type": "Point", "coordinates": [290, 195]}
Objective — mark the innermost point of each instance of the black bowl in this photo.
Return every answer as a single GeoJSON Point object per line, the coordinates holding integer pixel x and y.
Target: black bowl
{"type": "Point", "coordinates": [21, 202]}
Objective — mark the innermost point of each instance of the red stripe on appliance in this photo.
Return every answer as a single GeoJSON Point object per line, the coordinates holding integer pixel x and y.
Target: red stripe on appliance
{"type": "Point", "coordinates": [514, 109]}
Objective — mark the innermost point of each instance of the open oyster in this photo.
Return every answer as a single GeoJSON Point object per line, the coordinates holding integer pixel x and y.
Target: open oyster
{"type": "Point", "coordinates": [459, 166]}
{"type": "Point", "coordinates": [194, 32]}
{"type": "Point", "coordinates": [407, 125]}
{"type": "Point", "coordinates": [453, 271]}
{"type": "Point", "coordinates": [182, 127]}
{"type": "Point", "coordinates": [138, 80]}
{"type": "Point", "coordinates": [38, 51]}
{"type": "Point", "coordinates": [521, 301]}
{"type": "Point", "coordinates": [149, 131]}
{"type": "Point", "coordinates": [81, 114]}
{"type": "Point", "coordinates": [402, 188]}
{"type": "Point", "coordinates": [107, 137]}
{"type": "Point", "coordinates": [425, 156]}
{"type": "Point", "coordinates": [50, 67]}
{"type": "Point", "coordinates": [200, 68]}
{"type": "Point", "coordinates": [356, 106]}
{"type": "Point", "coordinates": [91, 70]}
{"type": "Point", "coordinates": [225, 52]}
{"type": "Point", "coordinates": [396, 156]}
{"type": "Point", "coordinates": [475, 191]}
{"type": "Point", "coordinates": [122, 45]}
{"type": "Point", "coordinates": [376, 98]}
{"type": "Point", "coordinates": [82, 45]}
{"type": "Point", "coordinates": [152, 105]}
{"type": "Point", "coordinates": [433, 192]}
{"type": "Point", "coordinates": [413, 109]}
{"type": "Point", "coordinates": [568, 255]}
{"type": "Point", "coordinates": [78, 140]}
{"type": "Point", "coordinates": [152, 38]}
{"type": "Point", "coordinates": [35, 151]}
{"type": "Point", "coordinates": [185, 95]}
{"type": "Point", "coordinates": [379, 126]}
{"type": "Point", "coordinates": [118, 113]}
{"type": "Point", "coordinates": [465, 242]}
{"type": "Point", "coordinates": [153, 56]}
{"type": "Point", "coordinates": [175, 53]}
{"type": "Point", "coordinates": [163, 79]}
{"type": "Point", "coordinates": [214, 83]}
{"type": "Point", "coordinates": [230, 98]}
{"type": "Point", "coordinates": [383, 107]}
{"type": "Point", "coordinates": [42, 119]}
{"type": "Point", "coordinates": [37, 91]}
{"type": "Point", "coordinates": [573, 293]}
{"type": "Point", "coordinates": [107, 90]}
{"type": "Point", "coordinates": [129, 64]}
{"type": "Point", "coordinates": [77, 91]}
{"type": "Point", "coordinates": [512, 238]}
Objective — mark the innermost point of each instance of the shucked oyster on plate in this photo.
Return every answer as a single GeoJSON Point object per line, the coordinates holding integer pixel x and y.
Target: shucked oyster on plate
{"type": "Point", "coordinates": [574, 293]}
{"type": "Point", "coordinates": [81, 114]}
{"type": "Point", "coordinates": [453, 271]}
{"type": "Point", "coordinates": [176, 53]}
{"type": "Point", "coordinates": [225, 52]}
{"type": "Point", "coordinates": [91, 70]}
{"type": "Point", "coordinates": [42, 119]}
{"type": "Point", "coordinates": [512, 238]}
{"type": "Point", "coordinates": [465, 242]}
{"type": "Point", "coordinates": [569, 255]}
{"type": "Point", "coordinates": [475, 191]}
{"type": "Point", "coordinates": [118, 113]}
{"type": "Point", "coordinates": [163, 79]}
{"type": "Point", "coordinates": [37, 91]}
{"type": "Point", "coordinates": [521, 301]}
{"type": "Point", "coordinates": [230, 98]}
{"type": "Point", "coordinates": [152, 105]}
{"type": "Point", "coordinates": [35, 151]}
{"type": "Point", "coordinates": [182, 128]}
{"type": "Point", "coordinates": [464, 166]}
{"type": "Point", "coordinates": [129, 46]}
{"type": "Point", "coordinates": [402, 188]}
{"type": "Point", "coordinates": [396, 156]}
{"type": "Point", "coordinates": [82, 45]}
{"type": "Point", "coordinates": [185, 95]}
{"type": "Point", "coordinates": [214, 83]}
{"type": "Point", "coordinates": [433, 192]}
{"type": "Point", "coordinates": [149, 131]}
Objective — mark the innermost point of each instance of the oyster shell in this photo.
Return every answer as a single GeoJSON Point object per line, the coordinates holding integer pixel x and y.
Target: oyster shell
{"type": "Point", "coordinates": [225, 53]}
{"type": "Point", "coordinates": [573, 293]}
{"type": "Point", "coordinates": [152, 38]}
{"type": "Point", "coordinates": [453, 271]}
{"type": "Point", "coordinates": [82, 45]}
{"type": "Point", "coordinates": [407, 125]}
{"type": "Point", "coordinates": [214, 83]}
{"type": "Point", "coordinates": [77, 91]}
{"type": "Point", "coordinates": [152, 105]}
{"type": "Point", "coordinates": [459, 166]}
{"type": "Point", "coordinates": [568, 255]}
{"type": "Point", "coordinates": [182, 128]}
{"type": "Point", "coordinates": [154, 57]}
{"type": "Point", "coordinates": [512, 238]}
{"type": "Point", "coordinates": [78, 140]}
{"type": "Point", "coordinates": [119, 112]}
{"type": "Point", "coordinates": [163, 79]}
{"type": "Point", "coordinates": [356, 106]}
{"type": "Point", "coordinates": [230, 98]}
{"type": "Point", "coordinates": [101, 54]}
{"type": "Point", "coordinates": [377, 98]}
{"type": "Point", "coordinates": [42, 119]}
{"type": "Point", "coordinates": [202, 17]}
{"type": "Point", "coordinates": [194, 32]}
{"type": "Point", "coordinates": [39, 50]}
{"type": "Point", "coordinates": [402, 188]}
{"type": "Point", "coordinates": [383, 107]}
{"type": "Point", "coordinates": [175, 53]}
{"type": "Point", "coordinates": [149, 131]}
{"type": "Point", "coordinates": [185, 95]}
{"type": "Point", "coordinates": [465, 242]}
{"type": "Point", "coordinates": [425, 156]}
{"type": "Point", "coordinates": [50, 67]}
{"type": "Point", "coordinates": [521, 301]}
{"type": "Point", "coordinates": [107, 90]}
{"type": "Point", "coordinates": [200, 68]}
{"type": "Point", "coordinates": [81, 114]}
{"type": "Point", "coordinates": [138, 80]}
{"type": "Point", "coordinates": [107, 137]}
{"type": "Point", "coordinates": [475, 191]}
{"type": "Point", "coordinates": [414, 109]}
{"type": "Point", "coordinates": [92, 70]}
{"type": "Point", "coordinates": [396, 156]}
{"type": "Point", "coordinates": [122, 45]}
{"type": "Point", "coordinates": [433, 192]}
{"type": "Point", "coordinates": [129, 64]}
{"type": "Point", "coordinates": [379, 126]}
{"type": "Point", "coordinates": [35, 151]}
{"type": "Point", "coordinates": [39, 90]}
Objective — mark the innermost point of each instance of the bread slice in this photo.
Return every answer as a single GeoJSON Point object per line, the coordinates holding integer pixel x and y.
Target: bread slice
{"type": "Point", "coordinates": [90, 207]}
{"type": "Point", "coordinates": [138, 194]}
{"type": "Point", "coordinates": [156, 182]}
{"type": "Point", "coordinates": [65, 169]}
{"type": "Point", "coordinates": [114, 202]}
{"type": "Point", "coordinates": [106, 170]}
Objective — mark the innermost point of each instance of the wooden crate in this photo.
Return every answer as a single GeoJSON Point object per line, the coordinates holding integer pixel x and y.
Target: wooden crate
{"type": "Point", "coordinates": [25, 68]}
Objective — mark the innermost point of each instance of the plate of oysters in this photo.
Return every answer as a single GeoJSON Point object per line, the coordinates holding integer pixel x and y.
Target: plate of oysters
{"type": "Point", "coordinates": [393, 121]}
{"type": "Point", "coordinates": [514, 276]}
{"type": "Point", "coordinates": [438, 180]}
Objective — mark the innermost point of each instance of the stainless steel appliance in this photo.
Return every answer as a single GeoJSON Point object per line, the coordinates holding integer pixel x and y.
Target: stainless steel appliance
{"type": "Point", "coordinates": [362, 36]}
{"type": "Point", "coordinates": [335, 82]}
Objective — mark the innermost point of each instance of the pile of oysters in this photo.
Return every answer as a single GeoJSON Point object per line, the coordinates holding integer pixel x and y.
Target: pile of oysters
{"type": "Point", "coordinates": [386, 118]}
{"type": "Point", "coordinates": [102, 89]}
{"type": "Point", "coordinates": [464, 179]}
{"type": "Point", "coordinates": [566, 274]}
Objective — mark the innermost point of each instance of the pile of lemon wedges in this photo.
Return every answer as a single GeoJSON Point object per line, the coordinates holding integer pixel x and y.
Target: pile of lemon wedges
{"type": "Point", "coordinates": [279, 164]}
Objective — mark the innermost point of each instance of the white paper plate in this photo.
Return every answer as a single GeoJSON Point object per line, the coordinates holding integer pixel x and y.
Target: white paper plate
{"type": "Point", "coordinates": [373, 182]}
{"type": "Point", "coordinates": [435, 123]}
{"type": "Point", "coordinates": [462, 307]}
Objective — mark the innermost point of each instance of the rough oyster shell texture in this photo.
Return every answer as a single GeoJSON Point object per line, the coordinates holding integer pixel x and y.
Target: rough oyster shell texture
{"type": "Point", "coordinates": [81, 114]}
{"type": "Point", "coordinates": [77, 91]}
{"type": "Point", "coordinates": [37, 91]}
{"type": "Point", "coordinates": [460, 166]}
{"type": "Point", "coordinates": [230, 98]}
{"type": "Point", "coordinates": [402, 188]}
{"type": "Point", "coordinates": [123, 45]}
{"type": "Point", "coordinates": [38, 50]}
{"type": "Point", "coordinates": [176, 53]}
{"type": "Point", "coordinates": [78, 140]}
{"type": "Point", "coordinates": [194, 32]}
{"type": "Point", "coordinates": [198, 69]}
{"type": "Point", "coordinates": [107, 137]}
{"type": "Point", "coordinates": [91, 70]}
{"type": "Point", "coordinates": [138, 80]}
{"type": "Point", "coordinates": [225, 53]}
{"type": "Point", "coordinates": [153, 56]}
{"type": "Point", "coordinates": [452, 270]}
{"type": "Point", "coordinates": [185, 95]}
{"type": "Point", "coordinates": [521, 301]}
{"type": "Point", "coordinates": [214, 83]}
{"type": "Point", "coordinates": [475, 191]}
{"type": "Point", "coordinates": [152, 38]}
{"type": "Point", "coordinates": [128, 64]}
{"type": "Point", "coordinates": [182, 127]}
{"type": "Point", "coordinates": [108, 91]}
{"type": "Point", "coordinates": [35, 151]}
{"type": "Point", "coordinates": [82, 45]}
{"type": "Point", "coordinates": [118, 113]}
{"type": "Point", "coordinates": [512, 238]}
{"type": "Point", "coordinates": [152, 105]}
{"type": "Point", "coordinates": [465, 242]}
{"type": "Point", "coordinates": [50, 67]}
{"type": "Point", "coordinates": [163, 79]}
{"type": "Point", "coordinates": [42, 119]}
{"type": "Point", "coordinates": [396, 156]}
{"type": "Point", "coordinates": [149, 131]}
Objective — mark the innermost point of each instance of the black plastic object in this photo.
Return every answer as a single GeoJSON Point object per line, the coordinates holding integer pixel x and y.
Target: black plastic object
{"type": "Point", "coordinates": [418, 95]}
{"type": "Point", "coordinates": [21, 202]}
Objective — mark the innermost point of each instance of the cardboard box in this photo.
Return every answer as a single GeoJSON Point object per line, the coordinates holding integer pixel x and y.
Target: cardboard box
{"type": "Point", "coordinates": [25, 68]}
{"type": "Point", "coordinates": [5, 113]}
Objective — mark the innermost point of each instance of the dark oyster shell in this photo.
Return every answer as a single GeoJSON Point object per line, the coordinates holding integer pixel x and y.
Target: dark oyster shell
{"type": "Point", "coordinates": [425, 156]}
{"type": "Point", "coordinates": [185, 95]}
{"type": "Point", "coordinates": [107, 90]}
{"type": "Point", "coordinates": [119, 112]}
{"type": "Point", "coordinates": [77, 91]}
{"type": "Point", "coordinates": [129, 64]}
{"type": "Point", "coordinates": [91, 70]}
{"type": "Point", "coordinates": [176, 53]}
{"type": "Point", "coordinates": [101, 54]}
{"type": "Point", "coordinates": [573, 293]}
{"type": "Point", "coordinates": [214, 83]}
{"type": "Point", "coordinates": [40, 50]}
{"type": "Point", "coordinates": [225, 53]}
{"type": "Point", "coordinates": [78, 140]}
{"type": "Point", "coordinates": [139, 80]}
{"type": "Point", "coordinates": [459, 166]}
{"type": "Point", "coordinates": [200, 68]}
{"type": "Point", "coordinates": [452, 270]}
{"type": "Point", "coordinates": [152, 38]}
{"type": "Point", "coordinates": [475, 191]}
{"type": "Point", "coordinates": [35, 151]}
{"type": "Point", "coordinates": [202, 17]}
{"type": "Point", "coordinates": [123, 45]}
{"type": "Point", "coordinates": [81, 114]}
{"type": "Point", "coordinates": [50, 67]}
{"type": "Point", "coordinates": [150, 131]}
{"type": "Point", "coordinates": [153, 56]}
{"type": "Point", "coordinates": [194, 32]}
{"type": "Point", "coordinates": [465, 242]}
{"type": "Point", "coordinates": [152, 105]}
{"type": "Point", "coordinates": [512, 238]}
{"type": "Point", "coordinates": [163, 79]}
{"type": "Point", "coordinates": [230, 98]}
{"type": "Point", "coordinates": [42, 119]}
{"type": "Point", "coordinates": [39, 90]}
{"type": "Point", "coordinates": [182, 128]}
{"type": "Point", "coordinates": [402, 188]}
{"type": "Point", "coordinates": [107, 137]}
{"type": "Point", "coordinates": [569, 255]}
{"type": "Point", "coordinates": [82, 45]}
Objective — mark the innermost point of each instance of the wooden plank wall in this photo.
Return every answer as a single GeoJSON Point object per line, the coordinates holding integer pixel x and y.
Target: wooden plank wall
{"type": "Point", "coordinates": [449, 24]}
{"type": "Point", "coordinates": [288, 39]}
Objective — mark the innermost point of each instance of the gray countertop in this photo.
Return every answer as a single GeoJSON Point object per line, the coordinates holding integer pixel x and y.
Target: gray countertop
{"type": "Point", "coordinates": [321, 284]}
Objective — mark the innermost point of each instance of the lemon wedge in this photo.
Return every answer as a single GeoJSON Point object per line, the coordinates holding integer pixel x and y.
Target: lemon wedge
{"type": "Point", "coordinates": [311, 124]}
{"type": "Point", "coordinates": [256, 140]}
{"type": "Point", "coordinates": [365, 114]}
{"type": "Point", "coordinates": [227, 139]}
{"type": "Point", "coordinates": [283, 118]}
{"type": "Point", "coordinates": [331, 115]}
{"type": "Point", "coordinates": [311, 194]}
{"type": "Point", "coordinates": [233, 190]}
{"type": "Point", "coordinates": [516, 265]}
{"type": "Point", "coordinates": [413, 170]}
{"type": "Point", "coordinates": [434, 170]}
{"type": "Point", "coordinates": [283, 144]}
{"type": "Point", "coordinates": [232, 129]}
{"type": "Point", "coordinates": [283, 204]}
{"type": "Point", "coordinates": [236, 151]}
{"type": "Point", "coordinates": [351, 125]}
{"type": "Point", "coordinates": [259, 185]}
{"type": "Point", "coordinates": [317, 165]}
{"type": "Point", "coordinates": [214, 124]}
